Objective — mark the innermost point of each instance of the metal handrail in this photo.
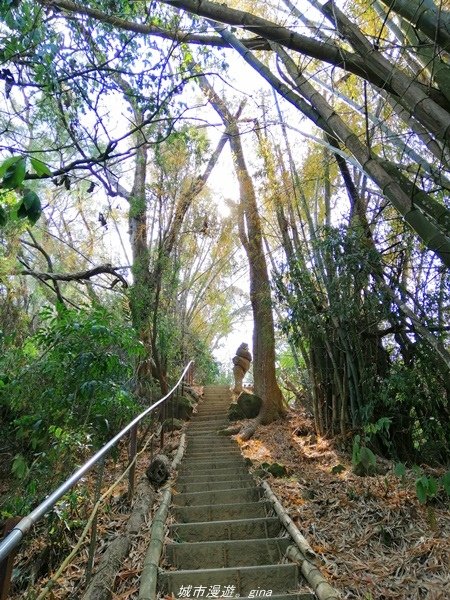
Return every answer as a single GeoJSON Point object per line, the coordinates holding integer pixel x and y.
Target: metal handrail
{"type": "Point", "coordinates": [13, 539]}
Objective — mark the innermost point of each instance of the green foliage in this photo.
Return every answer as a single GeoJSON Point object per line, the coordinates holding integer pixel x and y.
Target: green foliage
{"type": "Point", "coordinates": [206, 367]}
{"type": "Point", "coordinates": [427, 488]}
{"type": "Point", "coordinates": [68, 388]}
{"type": "Point", "coordinates": [335, 315]}
{"type": "Point", "coordinates": [364, 460]}
{"type": "Point", "coordinates": [414, 394]}
{"type": "Point", "coordinates": [12, 174]}
{"type": "Point", "coordinates": [382, 425]}
{"type": "Point", "coordinates": [400, 470]}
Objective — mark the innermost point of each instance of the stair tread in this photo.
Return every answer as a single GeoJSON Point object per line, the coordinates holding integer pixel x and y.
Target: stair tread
{"type": "Point", "coordinates": [225, 534]}
{"type": "Point", "coordinates": [276, 578]}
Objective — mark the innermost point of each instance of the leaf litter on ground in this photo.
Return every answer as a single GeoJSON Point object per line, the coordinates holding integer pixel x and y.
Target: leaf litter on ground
{"type": "Point", "coordinates": [376, 540]}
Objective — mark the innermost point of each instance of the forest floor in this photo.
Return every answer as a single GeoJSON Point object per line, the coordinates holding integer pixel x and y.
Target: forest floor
{"type": "Point", "coordinates": [43, 549]}
{"type": "Point", "coordinates": [376, 540]}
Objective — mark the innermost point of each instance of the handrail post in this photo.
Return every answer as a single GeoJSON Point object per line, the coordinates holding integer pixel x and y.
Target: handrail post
{"type": "Point", "coordinates": [132, 451]}
{"type": "Point", "coordinates": [6, 566]}
{"type": "Point", "coordinates": [163, 424]}
{"type": "Point", "coordinates": [93, 541]}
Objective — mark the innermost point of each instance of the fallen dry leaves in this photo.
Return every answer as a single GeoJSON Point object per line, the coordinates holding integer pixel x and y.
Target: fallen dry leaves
{"type": "Point", "coordinates": [376, 540]}
{"type": "Point", "coordinates": [111, 521]}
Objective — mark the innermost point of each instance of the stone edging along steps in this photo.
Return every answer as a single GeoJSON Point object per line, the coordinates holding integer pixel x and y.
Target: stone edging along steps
{"type": "Point", "coordinates": [231, 537]}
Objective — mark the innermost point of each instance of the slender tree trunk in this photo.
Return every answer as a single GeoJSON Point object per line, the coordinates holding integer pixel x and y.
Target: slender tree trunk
{"type": "Point", "coordinates": [266, 385]}
{"type": "Point", "coordinates": [250, 233]}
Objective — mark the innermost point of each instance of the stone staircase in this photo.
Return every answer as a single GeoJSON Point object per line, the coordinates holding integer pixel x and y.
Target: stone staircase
{"type": "Point", "coordinates": [226, 541]}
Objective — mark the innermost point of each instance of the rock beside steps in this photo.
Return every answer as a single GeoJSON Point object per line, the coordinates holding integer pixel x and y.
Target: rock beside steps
{"type": "Point", "coordinates": [226, 541]}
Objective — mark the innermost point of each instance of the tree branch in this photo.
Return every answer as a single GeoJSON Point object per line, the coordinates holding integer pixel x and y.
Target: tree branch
{"type": "Point", "coordinates": [80, 276]}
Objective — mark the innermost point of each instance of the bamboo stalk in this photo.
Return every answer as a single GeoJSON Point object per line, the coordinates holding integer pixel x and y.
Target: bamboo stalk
{"type": "Point", "coordinates": [149, 575]}
{"type": "Point", "coordinates": [180, 452]}
{"type": "Point", "coordinates": [321, 587]}
{"type": "Point", "coordinates": [302, 543]}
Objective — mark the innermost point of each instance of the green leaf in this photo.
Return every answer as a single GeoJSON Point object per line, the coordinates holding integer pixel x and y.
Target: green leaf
{"type": "Point", "coordinates": [400, 470]}
{"type": "Point", "coordinates": [19, 467]}
{"type": "Point", "coordinates": [22, 211]}
{"type": "Point", "coordinates": [31, 200]}
{"type": "Point", "coordinates": [9, 162]}
{"type": "Point", "coordinates": [356, 449]}
{"type": "Point", "coordinates": [30, 206]}
{"type": "Point", "coordinates": [422, 489]}
{"type": "Point", "coordinates": [15, 174]}
{"type": "Point", "coordinates": [40, 167]}
{"type": "Point", "coordinates": [367, 458]}
{"type": "Point", "coordinates": [417, 470]}
{"type": "Point", "coordinates": [432, 487]}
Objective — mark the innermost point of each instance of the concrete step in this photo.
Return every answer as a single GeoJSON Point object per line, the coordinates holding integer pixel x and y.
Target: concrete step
{"type": "Point", "coordinates": [222, 455]}
{"type": "Point", "coordinates": [225, 540]}
{"type": "Point", "coordinates": [237, 529]}
{"type": "Point", "coordinates": [210, 441]}
{"type": "Point", "coordinates": [250, 494]}
{"type": "Point", "coordinates": [207, 450]}
{"type": "Point", "coordinates": [228, 553]}
{"type": "Point", "coordinates": [207, 466]}
{"type": "Point", "coordinates": [214, 399]}
{"type": "Point", "coordinates": [205, 426]}
{"type": "Point", "coordinates": [208, 418]}
{"type": "Point", "coordinates": [205, 486]}
{"type": "Point", "coordinates": [206, 437]}
{"type": "Point", "coordinates": [220, 475]}
{"type": "Point", "coordinates": [202, 455]}
{"type": "Point", "coordinates": [207, 421]}
{"type": "Point", "coordinates": [225, 457]}
{"type": "Point", "coordinates": [221, 512]}
{"type": "Point", "coordinates": [219, 445]}
{"type": "Point", "coordinates": [195, 430]}
{"type": "Point", "coordinates": [243, 581]}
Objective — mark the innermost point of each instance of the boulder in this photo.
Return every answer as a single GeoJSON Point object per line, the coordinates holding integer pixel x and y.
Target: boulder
{"type": "Point", "coordinates": [247, 406]}
{"type": "Point", "coordinates": [158, 471]}
{"type": "Point", "coordinates": [172, 424]}
{"type": "Point", "coordinates": [183, 407]}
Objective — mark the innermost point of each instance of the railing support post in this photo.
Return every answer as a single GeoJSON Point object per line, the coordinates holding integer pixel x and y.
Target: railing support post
{"type": "Point", "coordinates": [164, 419]}
{"type": "Point", "coordinates": [6, 566]}
{"type": "Point", "coordinates": [132, 450]}
{"type": "Point", "coordinates": [93, 542]}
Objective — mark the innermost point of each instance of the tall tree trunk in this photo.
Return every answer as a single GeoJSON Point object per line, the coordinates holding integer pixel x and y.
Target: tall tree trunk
{"type": "Point", "coordinates": [266, 385]}
{"type": "Point", "coordinates": [250, 234]}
